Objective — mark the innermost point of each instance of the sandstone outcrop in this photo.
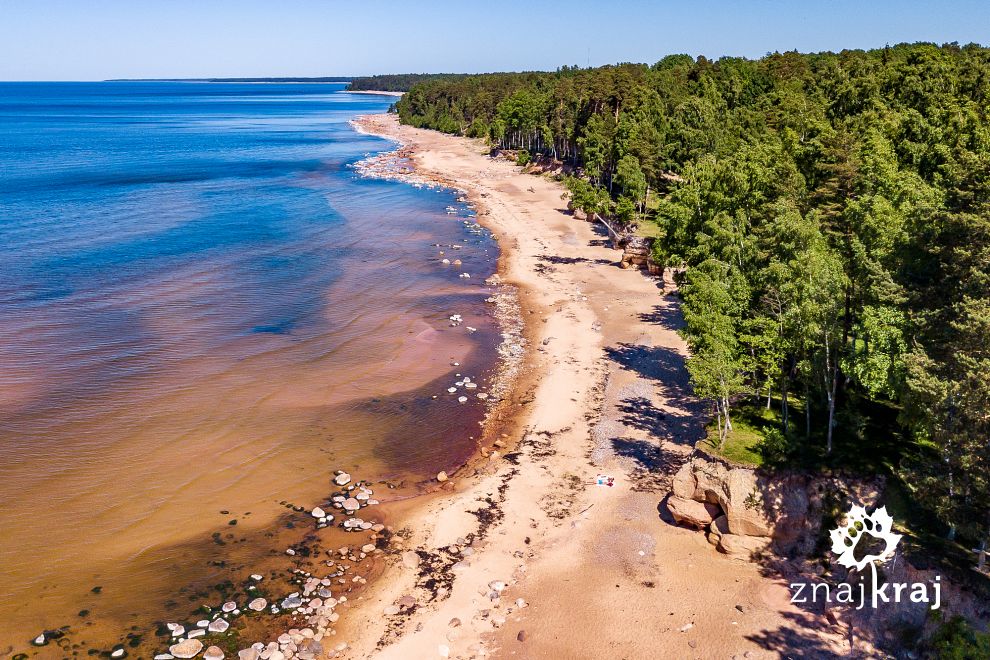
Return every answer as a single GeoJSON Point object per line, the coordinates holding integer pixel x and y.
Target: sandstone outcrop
{"type": "Point", "coordinates": [745, 510]}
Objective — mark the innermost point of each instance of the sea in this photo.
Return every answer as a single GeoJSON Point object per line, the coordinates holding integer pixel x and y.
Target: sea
{"type": "Point", "coordinates": [204, 312]}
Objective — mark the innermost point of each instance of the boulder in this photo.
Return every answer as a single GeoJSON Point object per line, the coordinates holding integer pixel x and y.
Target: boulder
{"type": "Point", "coordinates": [744, 504]}
{"type": "Point", "coordinates": [685, 483]}
{"type": "Point", "coordinates": [213, 653]}
{"type": "Point", "coordinates": [689, 512]}
{"type": "Point", "coordinates": [718, 529]}
{"type": "Point", "coordinates": [189, 648]}
{"type": "Point", "coordinates": [712, 478]}
{"type": "Point", "coordinates": [739, 546]}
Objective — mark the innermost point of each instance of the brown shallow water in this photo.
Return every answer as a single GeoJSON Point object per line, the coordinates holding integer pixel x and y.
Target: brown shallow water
{"type": "Point", "coordinates": [120, 453]}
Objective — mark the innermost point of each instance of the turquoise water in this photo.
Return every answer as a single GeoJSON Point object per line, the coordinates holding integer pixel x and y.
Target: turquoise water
{"type": "Point", "coordinates": [204, 308]}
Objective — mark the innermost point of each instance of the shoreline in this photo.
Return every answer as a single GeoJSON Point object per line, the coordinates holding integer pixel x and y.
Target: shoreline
{"type": "Point", "coordinates": [520, 552]}
{"type": "Point", "coordinates": [372, 91]}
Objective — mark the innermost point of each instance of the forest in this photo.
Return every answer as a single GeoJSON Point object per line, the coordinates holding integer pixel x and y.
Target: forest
{"type": "Point", "coordinates": [396, 82]}
{"type": "Point", "coordinates": [827, 218]}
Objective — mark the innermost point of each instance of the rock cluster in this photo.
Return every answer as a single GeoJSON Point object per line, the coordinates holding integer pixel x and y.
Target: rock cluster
{"type": "Point", "coordinates": [745, 511]}
{"type": "Point", "coordinates": [311, 605]}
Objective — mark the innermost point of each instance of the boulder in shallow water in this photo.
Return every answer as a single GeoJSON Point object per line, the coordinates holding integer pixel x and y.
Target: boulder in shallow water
{"type": "Point", "coordinates": [257, 605]}
{"type": "Point", "coordinates": [190, 648]}
{"type": "Point", "coordinates": [218, 626]}
{"type": "Point", "coordinates": [213, 653]}
{"type": "Point", "coordinates": [342, 479]}
{"type": "Point", "coordinates": [292, 602]}
{"type": "Point", "coordinates": [351, 504]}
{"type": "Point", "coordinates": [319, 513]}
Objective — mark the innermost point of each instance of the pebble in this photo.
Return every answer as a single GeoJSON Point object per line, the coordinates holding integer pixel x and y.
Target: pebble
{"type": "Point", "coordinates": [248, 654]}
{"type": "Point", "coordinates": [257, 604]}
{"type": "Point", "coordinates": [462, 399]}
{"type": "Point", "coordinates": [292, 602]}
{"type": "Point", "coordinates": [351, 504]}
{"type": "Point", "coordinates": [318, 513]}
{"type": "Point", "coordinates": [164, 656]}
{"type": "Point", "coordinates": [178, 631]}
{"type": "Point", "coordinates": [219, 626]}
{"type": "Point", "coordinates": [521, 636]}
{"type": "Point", "coordinates": [199, 632]}
{"type": "Point", "coordinates": [229, 606]}
{"type": "Point", "coordinates": [442, 476]}
{"type": "Point", "coordinates": [257, 578]}
{"type": "Point", "coordinates": [410, 559]}
{"type": "Point", "coordinates": [190, 648]}
{"type": "Point", "coordinates": [368, 548]}
{"type": "Point", "coordinates": [40, 640]}
{"type": "Point", "coordinates": [213, 653]}
{"type": "Point", "coordinates": [342, 479]}
{"type": "Point", "coordinates": [119, 653]}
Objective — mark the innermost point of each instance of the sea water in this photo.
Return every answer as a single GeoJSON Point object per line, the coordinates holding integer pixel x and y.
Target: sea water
{"type": "Point", "coordinates": [203, 312]}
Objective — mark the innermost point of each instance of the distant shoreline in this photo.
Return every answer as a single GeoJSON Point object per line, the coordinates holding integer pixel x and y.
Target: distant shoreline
{"type": "Point", "coordinates": [371, 91]}
{"type": "Point", "coordinates": [328, 81]}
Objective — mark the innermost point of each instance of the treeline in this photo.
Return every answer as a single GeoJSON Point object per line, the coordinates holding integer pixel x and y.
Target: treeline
{"type": "Point", "coordinates": [828, 216]}
{"type": "Point", "coordinates": [397, 82]}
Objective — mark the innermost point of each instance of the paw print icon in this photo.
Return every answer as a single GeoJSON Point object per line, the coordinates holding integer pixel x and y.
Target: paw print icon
{"type": "Point", "coordinates": [858, 528]}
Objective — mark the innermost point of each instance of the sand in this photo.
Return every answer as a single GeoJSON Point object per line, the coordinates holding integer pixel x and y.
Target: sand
{"type": "Point", "coordinates": [604, 391]}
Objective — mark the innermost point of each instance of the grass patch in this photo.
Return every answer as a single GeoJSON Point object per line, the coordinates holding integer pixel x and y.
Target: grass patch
{"type": "Point", "coordinates": [648, 228]}
{"type": "Point", "coordinates": [747, 441]}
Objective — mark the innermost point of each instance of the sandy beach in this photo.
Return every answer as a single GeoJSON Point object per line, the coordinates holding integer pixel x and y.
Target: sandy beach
{"type": "Point", "coordinates": [522, 553]}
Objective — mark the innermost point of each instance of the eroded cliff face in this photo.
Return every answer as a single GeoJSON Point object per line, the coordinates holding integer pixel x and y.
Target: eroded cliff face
{"type": "Point", "coordinates": [745, 511]}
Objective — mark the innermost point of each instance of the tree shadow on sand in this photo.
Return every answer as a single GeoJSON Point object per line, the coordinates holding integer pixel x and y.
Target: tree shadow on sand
{"type": "Point", "coordinates": [666, 316]}
{"type": "Point", "coordinates": [682, 420]}
{"type": "Point", "coordinates": [801, 639]}
{"type": "Point", "coordinates": [653, 467]}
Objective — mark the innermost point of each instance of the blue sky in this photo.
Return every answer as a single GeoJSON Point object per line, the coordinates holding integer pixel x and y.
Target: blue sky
{"type": "Point", "coordinates": [97, 39]}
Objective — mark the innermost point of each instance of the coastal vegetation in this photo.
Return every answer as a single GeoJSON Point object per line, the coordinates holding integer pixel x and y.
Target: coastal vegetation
{"type": "Point", "coordinates": [396, 82]}
{"type": "Point", "coordinates": [827, 217]}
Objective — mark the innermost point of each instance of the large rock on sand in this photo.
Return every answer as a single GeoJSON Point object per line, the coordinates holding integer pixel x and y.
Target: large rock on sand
{"type": "Point", "coordinates": [739, 546]}
{"type": "Point", "coordinates": [743, 504]}
{"type": "Point", "coordinates": [689, 512]}
{"type": "Point", "coordinates": [736, 490]}
{"type": "Point", "coordinates": [718, 529]}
